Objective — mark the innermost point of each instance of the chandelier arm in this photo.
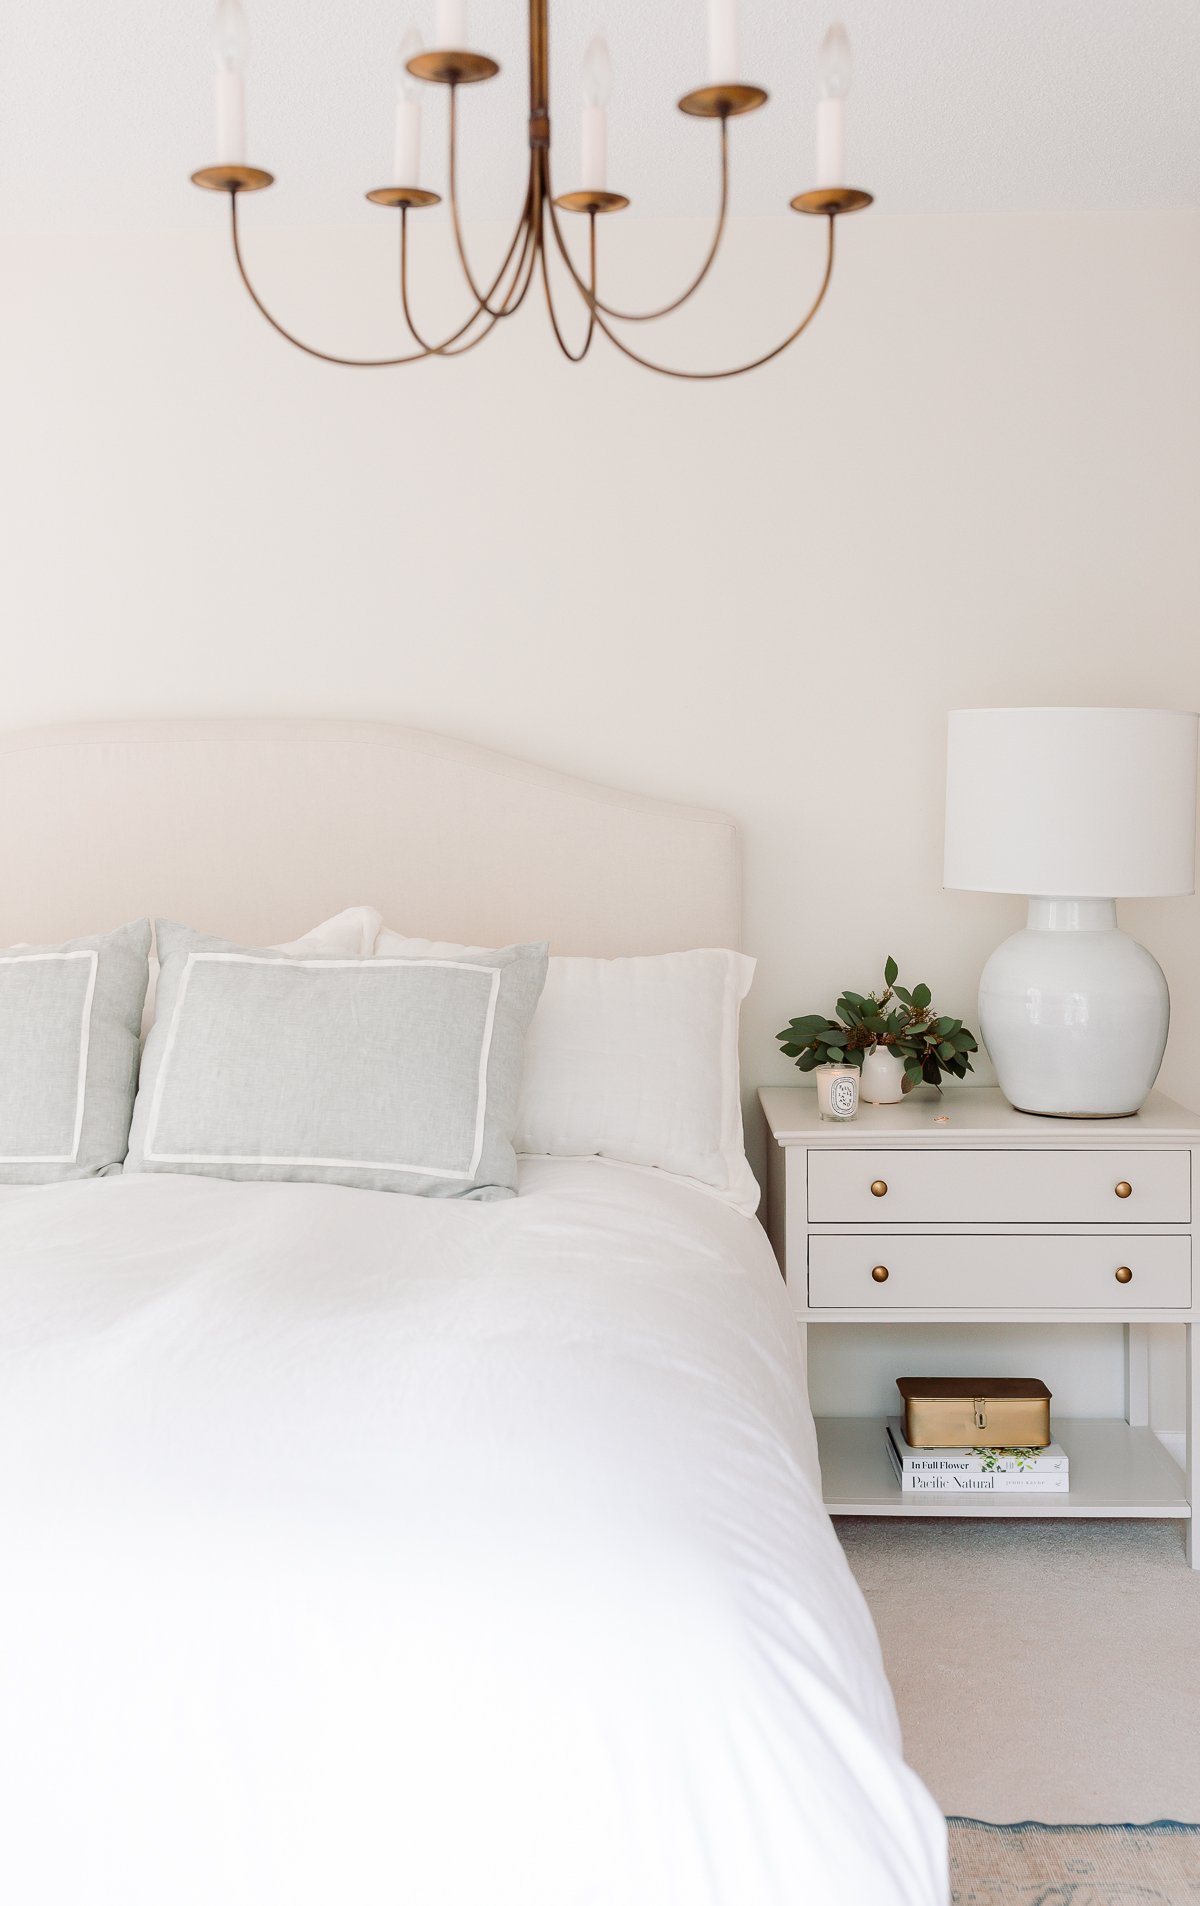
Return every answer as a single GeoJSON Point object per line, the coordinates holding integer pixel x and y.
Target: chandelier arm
{"type": "Point", "coordinates": [519, 289]}
{"type": "Point", "coordinates": [404, 304]}
{"type": "Point", "coordinates": [522, 236]}
{"type": "Point", "coordinates": [330, 357]}
{"type": "Point", "coordinates": [310, 350]}
{"type": "Point", "coordinates": [575, 357]}
{"type": "Point", "coordinates": [645, 317]}
{"type": "Point", "coordinates": [482, 298]}
{"type": "Point", "coordinates": [514, 297]}
{"type": "Point", "coordinates": [735, 370]}
{"type": "Point", "coordinates": [506, 307]}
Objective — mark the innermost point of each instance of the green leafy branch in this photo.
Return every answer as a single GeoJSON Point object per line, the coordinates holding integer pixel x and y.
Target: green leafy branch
{"type": "Point", "coordinates": [927, 1042]}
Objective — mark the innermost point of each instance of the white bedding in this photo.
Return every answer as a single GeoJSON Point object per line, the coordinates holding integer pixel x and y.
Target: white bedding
{"type": "Point", "coordinates": [360, 1548]}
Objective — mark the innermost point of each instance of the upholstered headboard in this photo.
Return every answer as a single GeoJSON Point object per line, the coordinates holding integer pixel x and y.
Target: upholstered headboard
{"type": "Point", "coordinates": [258, 829]}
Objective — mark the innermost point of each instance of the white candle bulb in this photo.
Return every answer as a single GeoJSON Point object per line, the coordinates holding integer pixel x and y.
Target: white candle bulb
{"type": "Point", "coordinates": [406, 163]}
{"type": "Point", "coordinates": [723, 63]}
{"type": "Point", "coordinates": [230, 44]}
{"type": "Point", "coordinates": [597, 87]}
{"type": "Point", "coordinates": [451, 30]}
{"type": "Point", "coordinates": [836, 70]}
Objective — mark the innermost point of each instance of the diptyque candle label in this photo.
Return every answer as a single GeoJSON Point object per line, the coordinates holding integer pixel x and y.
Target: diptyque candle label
{"type": "Point", "coordinates": [837, 1092]}
{"type": "Point", "coordinates": [843, 1098]}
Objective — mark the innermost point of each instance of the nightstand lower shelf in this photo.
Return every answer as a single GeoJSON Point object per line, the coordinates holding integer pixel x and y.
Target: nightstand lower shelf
{"type": "Point", "coordinates": [1115, 1471]}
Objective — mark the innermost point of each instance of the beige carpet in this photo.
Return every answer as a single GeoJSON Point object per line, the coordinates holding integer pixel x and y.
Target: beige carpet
{"type": "Point", "coordinates": [1043, 1670]}
{"type": "Point", "coordinates": [1074, 1866]}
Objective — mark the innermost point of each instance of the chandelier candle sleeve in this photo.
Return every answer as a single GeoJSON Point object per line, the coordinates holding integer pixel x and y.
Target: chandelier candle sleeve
{"type": "Point", "coordinates": [723, 61]}
{"type": "Point", "coordinates": [836, 73]}
{"type": "Point", "coordinates": [230, 42]}
{"type": "Point", "coordinates": [406, 163]}
{"type": "Point", "coordinates": [451, 21]}
{"type": "Point", "coordinates": [597, 86]}
{"type": "Point", "coordinates": [594, 158]}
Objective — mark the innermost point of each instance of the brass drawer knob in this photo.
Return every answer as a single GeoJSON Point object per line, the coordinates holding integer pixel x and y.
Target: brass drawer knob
{"type": "Point", "coordinates": [1123, 1274]}
{"type": "Point", "coordinates": [879, 1188]}
{"type": "Point", "coordinates": [1123, 1189]}
{"type": "Point", "coordinates": [880, 1273]}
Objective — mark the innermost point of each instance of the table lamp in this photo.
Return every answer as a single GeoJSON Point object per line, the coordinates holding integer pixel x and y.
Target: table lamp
{"type": "Point", "coordinates": [1076, 807]}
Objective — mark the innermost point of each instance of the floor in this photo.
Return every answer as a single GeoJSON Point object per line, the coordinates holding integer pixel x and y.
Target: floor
{"type": "Point", "coordinates": [1074, 1866]}
{"type": "Point", "coordinates": [1042, 1670]}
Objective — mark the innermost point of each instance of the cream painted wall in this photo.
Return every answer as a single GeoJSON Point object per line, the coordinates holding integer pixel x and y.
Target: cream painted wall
{"type": "Point", "coordinates": [975, 482]}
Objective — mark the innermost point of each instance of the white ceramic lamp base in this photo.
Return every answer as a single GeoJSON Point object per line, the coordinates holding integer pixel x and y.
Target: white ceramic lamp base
{"type": "Point", "coordinates": [1074, 1013]}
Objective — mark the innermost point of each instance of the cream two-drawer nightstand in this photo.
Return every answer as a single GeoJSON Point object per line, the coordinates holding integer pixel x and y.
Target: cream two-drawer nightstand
{"type": "Point", "coordinates": [958, 1210]}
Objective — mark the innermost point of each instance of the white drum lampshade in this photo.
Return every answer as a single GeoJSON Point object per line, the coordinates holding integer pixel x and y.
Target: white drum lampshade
{"type": "Point", "coordinates": [1075, 807]}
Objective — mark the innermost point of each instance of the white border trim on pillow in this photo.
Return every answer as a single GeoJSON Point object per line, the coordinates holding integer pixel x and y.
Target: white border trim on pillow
{"type": "Point", "coordinates": [85, 1033]}
{"type": "Point", "coordinates": [352, 1164]}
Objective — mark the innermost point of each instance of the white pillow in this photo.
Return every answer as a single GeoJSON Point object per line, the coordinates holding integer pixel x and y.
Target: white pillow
{"type": "Point", "coordinates": [351, 932]}
{"type": "Point", "coordinates": [634, 1060]}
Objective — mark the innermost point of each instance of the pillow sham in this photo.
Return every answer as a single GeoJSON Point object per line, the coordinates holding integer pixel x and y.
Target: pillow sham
{"type": "Point", "coordinates": [354, 930]}
{"type": "Point", "coordinates": [634, 1060]}
{"type": "Point", "coordinates": [69, 1019]}
{"type": "Point", "coordinates": [390, 1075]}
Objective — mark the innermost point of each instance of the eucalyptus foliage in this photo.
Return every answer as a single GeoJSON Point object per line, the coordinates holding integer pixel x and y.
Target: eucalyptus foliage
{"type": "Point", "coordinates": [927, 1042]}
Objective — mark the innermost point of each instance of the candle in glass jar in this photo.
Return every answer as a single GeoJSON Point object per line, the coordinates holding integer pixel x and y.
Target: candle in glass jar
{"type": "Point", "coordinates": [837, 1091]}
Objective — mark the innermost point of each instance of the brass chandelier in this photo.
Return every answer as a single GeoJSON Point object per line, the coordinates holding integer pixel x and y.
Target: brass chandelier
{"type": "Point", "coordinates": [539, 226]}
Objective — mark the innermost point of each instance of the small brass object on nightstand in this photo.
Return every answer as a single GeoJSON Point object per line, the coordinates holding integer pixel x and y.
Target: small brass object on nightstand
{"type": "Point", "coordinates": [1123, 1189]}
{"type": "Point", "coordinates": [880, 1273]}
{"type": "Point", "coordinates": [1123, 1274]}
{"type": "Point", "coordinates": [959, 1412]}
{"type": "Point", "coordinates": [879, 1188]}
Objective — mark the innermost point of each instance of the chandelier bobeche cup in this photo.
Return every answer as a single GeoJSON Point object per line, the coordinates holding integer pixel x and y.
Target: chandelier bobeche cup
{"type": "Point", "coordinates": [539, 227]}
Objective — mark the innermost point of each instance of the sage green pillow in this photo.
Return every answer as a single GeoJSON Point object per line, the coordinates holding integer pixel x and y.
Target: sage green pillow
{"type": "Point", "coordinates": [70, 1017]}
{"type": "Point", "coordinates": [389, 1074]}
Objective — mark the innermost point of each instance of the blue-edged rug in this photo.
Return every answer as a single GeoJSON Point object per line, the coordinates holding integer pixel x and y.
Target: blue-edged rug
{"type": "Point", "coordinates": [1034, 1865]}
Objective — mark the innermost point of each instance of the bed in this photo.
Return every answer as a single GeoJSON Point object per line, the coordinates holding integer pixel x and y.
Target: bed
{"type": "Point", "coordinates": [375, 1548]}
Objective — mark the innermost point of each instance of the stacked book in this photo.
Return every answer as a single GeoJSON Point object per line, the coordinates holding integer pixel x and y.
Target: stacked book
{"type": "Point", "coordinates": [1035, 1471]}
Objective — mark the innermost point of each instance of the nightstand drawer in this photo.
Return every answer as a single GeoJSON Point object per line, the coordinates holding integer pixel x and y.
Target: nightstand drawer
{"type": "Point", "coordinates": [999, 1187]}
{"type": "Point", "coordinates": [878, 1272]}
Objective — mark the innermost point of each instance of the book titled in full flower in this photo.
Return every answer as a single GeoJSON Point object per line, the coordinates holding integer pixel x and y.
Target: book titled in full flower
{"type": "Point", "coordinates": [1052, 1459]}
{"type": "Point", "coordinates": [1038, 1471]}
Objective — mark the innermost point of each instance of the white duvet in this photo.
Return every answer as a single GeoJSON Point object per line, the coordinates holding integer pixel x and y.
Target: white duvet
{"type": "Point", "coordinates": [360, 1548]}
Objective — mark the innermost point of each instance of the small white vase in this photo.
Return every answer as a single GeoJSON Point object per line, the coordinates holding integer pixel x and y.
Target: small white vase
{"type": "Point", "coordinates": [882, 1077]}
{"type": "Point", "coordinates": [837, 1091]}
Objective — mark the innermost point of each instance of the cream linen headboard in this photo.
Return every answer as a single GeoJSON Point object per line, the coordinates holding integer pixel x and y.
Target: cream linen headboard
{"type": "Point", "coordinates": [256, 830]}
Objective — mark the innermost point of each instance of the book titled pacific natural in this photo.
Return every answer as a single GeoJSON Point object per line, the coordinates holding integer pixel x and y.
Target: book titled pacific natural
{"type": "Point", "coordinates": [980, 1471]}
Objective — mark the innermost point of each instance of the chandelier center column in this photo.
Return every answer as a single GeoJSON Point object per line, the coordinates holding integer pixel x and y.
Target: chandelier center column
{"type": "Point", "coordinates": [539, 74]}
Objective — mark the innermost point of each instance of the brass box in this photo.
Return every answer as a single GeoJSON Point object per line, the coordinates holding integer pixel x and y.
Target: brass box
{"type": "Point", "coordinates": [984, 1412]}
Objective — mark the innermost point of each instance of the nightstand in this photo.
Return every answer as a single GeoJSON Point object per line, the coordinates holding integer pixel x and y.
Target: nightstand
{"type": "Point", "coordinates": [958, 1209]}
